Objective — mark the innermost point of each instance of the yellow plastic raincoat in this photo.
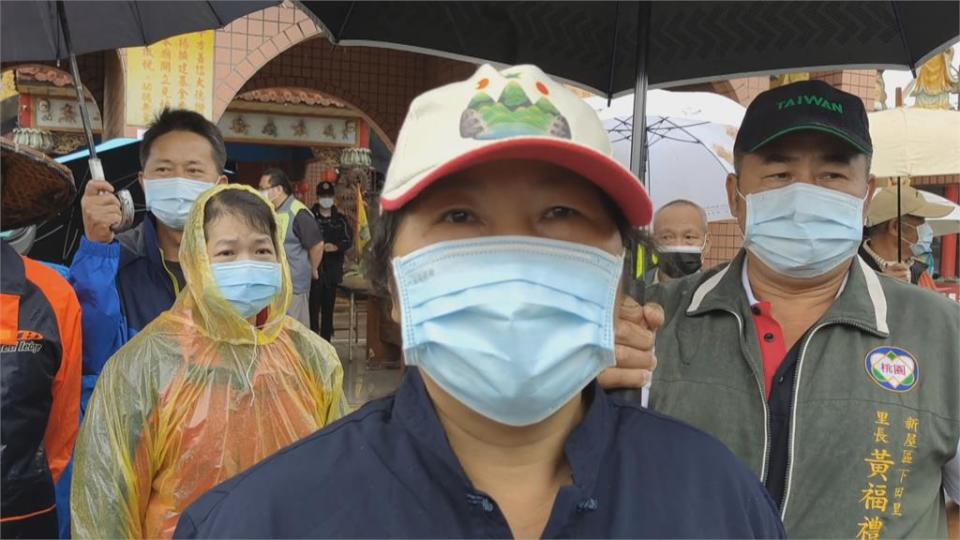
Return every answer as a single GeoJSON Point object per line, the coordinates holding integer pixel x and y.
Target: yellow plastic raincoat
{"type": "Point", "coordinates": [197, 397]}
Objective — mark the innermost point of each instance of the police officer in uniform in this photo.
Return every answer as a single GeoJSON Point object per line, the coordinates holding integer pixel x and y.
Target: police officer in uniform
{"type": "Point", "coordinates": [338, 237]}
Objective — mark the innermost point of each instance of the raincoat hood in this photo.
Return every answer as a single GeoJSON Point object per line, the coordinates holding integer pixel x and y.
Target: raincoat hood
{"type": "Point", "coordinates": [202, 301]}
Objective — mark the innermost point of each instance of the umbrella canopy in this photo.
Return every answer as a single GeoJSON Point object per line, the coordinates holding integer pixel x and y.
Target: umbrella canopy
{"type": "Point", "coordinates": [915, 142]}
{"type": "Point", "coordinates": [703, 106]}
{"type": "Point", "coordinates": [32, 30]}
{"type": "Point", "coordinates": [690, 138]}
{"type": "Point", "coordinates": [594, 44]}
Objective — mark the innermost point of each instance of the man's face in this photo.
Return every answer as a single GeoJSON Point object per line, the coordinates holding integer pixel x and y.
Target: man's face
{"type": "Point", "coordinates": [909, 231]}
{"type": "Point", "coordinates": [509, 198]}
{"type": "Point", "coordinates": [270, 192]}
{"type": "Point", "coordinates": [679, 225]}
{"type": "Point", "coordinates": [181, 154]}
{"type": "Point", "coordinates": [807, 156]}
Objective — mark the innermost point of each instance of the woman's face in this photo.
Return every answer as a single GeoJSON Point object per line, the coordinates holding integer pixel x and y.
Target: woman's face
{"type": "Point", "coordinates": [230, 239]}
{"type": "Point", "coordinates": [524, 198]}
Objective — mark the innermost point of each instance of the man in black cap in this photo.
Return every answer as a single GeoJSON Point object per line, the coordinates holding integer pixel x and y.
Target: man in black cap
{"type": "Point", "coordinates": [338, 235]}
{"type": "Point", "coordinates": [813, 368]}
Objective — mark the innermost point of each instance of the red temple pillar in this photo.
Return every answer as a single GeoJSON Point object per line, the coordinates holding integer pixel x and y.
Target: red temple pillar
{"type": "Point", "coordinates": [948, 245]}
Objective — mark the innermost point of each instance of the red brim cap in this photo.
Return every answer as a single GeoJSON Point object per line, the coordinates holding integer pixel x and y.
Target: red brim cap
{"type": "Point", "coordinates": [603, 171]}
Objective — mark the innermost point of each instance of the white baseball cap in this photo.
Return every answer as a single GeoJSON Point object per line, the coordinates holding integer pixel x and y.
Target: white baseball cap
{"type": "Point", "coordinates": [517, 113]}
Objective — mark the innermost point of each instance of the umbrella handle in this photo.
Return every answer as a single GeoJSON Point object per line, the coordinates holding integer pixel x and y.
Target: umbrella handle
{"type": "Point", "coordinates": [635, 288]}
{"type": "Point", "coordinates": [127, 210]}
{"type": "Point", "coordinates": [96, 169]}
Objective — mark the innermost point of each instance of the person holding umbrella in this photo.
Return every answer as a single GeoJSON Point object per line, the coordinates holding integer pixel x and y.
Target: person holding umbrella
{"type": "Point", "coordinates": [890, 239]}
{"type": "Point", "coordinates": [837, 386]}
{"type": "Point", "coordinates": [502, 253]}
{"type": "Point", "coordinates": [124, 281]}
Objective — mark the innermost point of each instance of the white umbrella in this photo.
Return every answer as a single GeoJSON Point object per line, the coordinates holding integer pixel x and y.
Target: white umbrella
{"type": "Point", "coordinates": [690, 138]}
{"type": "Point", "coordinates": [948, 224]}
{"type": "Point", "coordinates": [915, 142]}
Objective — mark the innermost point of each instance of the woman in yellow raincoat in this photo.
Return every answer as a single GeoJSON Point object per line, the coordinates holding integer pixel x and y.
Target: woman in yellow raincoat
{"type": "Point", "coordinates": [214, 385]}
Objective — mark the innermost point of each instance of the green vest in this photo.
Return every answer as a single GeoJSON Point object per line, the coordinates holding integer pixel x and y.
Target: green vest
{"type": "Point", "coordinates": [876, 405]}
{"type": "Point", "coordinates": [298, 258]}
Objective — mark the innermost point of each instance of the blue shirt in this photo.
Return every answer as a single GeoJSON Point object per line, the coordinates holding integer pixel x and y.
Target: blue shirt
{"type": "Point", "coordinates": [387, 471]}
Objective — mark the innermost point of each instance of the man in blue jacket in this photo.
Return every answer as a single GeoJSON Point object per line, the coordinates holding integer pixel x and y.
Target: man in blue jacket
{"type": "Point", "coordinates": [125, 280]}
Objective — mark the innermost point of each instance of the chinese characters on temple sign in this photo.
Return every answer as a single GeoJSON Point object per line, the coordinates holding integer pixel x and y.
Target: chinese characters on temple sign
{"type": "Point", "coordinates": [175, 72]}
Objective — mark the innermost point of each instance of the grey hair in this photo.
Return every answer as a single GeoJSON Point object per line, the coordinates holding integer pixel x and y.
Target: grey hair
{"type": "Point", "coordinates": [684, 202]}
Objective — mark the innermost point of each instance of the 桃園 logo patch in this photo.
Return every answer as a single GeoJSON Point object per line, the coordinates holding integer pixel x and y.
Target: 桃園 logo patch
{"type": "Point", "coordinates": [893, 368]}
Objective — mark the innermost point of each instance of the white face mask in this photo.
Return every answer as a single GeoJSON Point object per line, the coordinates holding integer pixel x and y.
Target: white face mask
{"type": "Point", "coordinates": [802, 230]}
{"type": "Point", "coordinates": [513, 327]}
{"type": "Point", "coordinates": [170, 199]}
{"type": "Point", "coordinates": [326, 203]}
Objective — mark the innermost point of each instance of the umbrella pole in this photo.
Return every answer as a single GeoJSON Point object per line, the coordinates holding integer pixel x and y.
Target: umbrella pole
{"type": "Point", "coordinates": [899, 225]}
{"type": "Point", "coordinates": [96, 169]}
{"type": "Point", "coordinates": [638, 141]}
{"type": "Point", "coordinates": [636, 288]}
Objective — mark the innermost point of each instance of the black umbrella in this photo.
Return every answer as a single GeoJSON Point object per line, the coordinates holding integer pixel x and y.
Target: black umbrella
{"type": "Point", "coordinates": [618, 47]}
{"type": "Point", "coordinates": [56, 29]}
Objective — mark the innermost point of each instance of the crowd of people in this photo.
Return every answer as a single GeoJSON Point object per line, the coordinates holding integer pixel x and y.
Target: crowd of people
{"type": "Point", "coordinates": [794, 391]}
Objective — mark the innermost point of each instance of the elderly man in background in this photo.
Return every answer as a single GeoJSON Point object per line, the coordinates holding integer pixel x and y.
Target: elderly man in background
{"type": "Point", "coordinates": [681, 239]}
{"type": "Point", "coordinates": [879, 248]}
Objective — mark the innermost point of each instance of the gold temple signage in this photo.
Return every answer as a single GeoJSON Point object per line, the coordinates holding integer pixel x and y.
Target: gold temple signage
{"type": "Point", "coordinates": [292, 130]}
{"type": "Point", "coordinates": [175, 72]}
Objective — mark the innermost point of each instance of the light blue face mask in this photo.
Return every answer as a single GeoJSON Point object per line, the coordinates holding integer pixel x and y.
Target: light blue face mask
{"type": "Point", "coordinates": [924, 243]}
{"type": "Point", "coordinates": [249, 286]}
{"type": "Point", "coordinates": [513, 327]}
{"type": "Point", "coordinates": [803, 230]}
{"type": "Point", "coordinates": [170, 199]}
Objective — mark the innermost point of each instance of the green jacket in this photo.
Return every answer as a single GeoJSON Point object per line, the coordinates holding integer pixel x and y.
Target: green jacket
{"type": "Point", "coordinates": [863, 458]}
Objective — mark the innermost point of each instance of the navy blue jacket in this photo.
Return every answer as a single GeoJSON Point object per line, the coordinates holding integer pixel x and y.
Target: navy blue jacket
{"type": "Point", "coordinates": [122, 287]}
{"type": "Point", "coordinates": [387, 471]}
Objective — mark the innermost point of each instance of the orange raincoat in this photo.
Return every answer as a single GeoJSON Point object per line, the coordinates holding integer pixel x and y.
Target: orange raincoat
{"type": "Point", "coordinates": [197, 397]}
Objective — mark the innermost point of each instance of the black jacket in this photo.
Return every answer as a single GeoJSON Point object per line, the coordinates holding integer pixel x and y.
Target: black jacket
{"type": "Point", "coordinates": [336, 230]}
{"type": "Point", "coordinates": [40, 366]}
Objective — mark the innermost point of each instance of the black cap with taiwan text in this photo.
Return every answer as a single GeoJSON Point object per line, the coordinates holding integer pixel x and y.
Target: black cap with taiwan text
{"type": "Point", "coordinates": [803, 106]}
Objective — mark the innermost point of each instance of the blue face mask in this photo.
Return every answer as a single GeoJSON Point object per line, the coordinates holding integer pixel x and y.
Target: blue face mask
{"type": "Point", "coordinates": [924, 243]}
{"type": "Point", "coordinates": [513, 327]}
{"type": "Point", "coordinates": [170, 199]}
{"type": "Point", "coordinates": [249, 286]}
{"type": "Point", "coordinates": [802, 230]}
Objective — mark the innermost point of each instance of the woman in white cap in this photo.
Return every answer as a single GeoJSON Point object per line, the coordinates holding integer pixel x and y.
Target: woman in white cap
{"type": "Point", "coordinates": [501, 245]}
